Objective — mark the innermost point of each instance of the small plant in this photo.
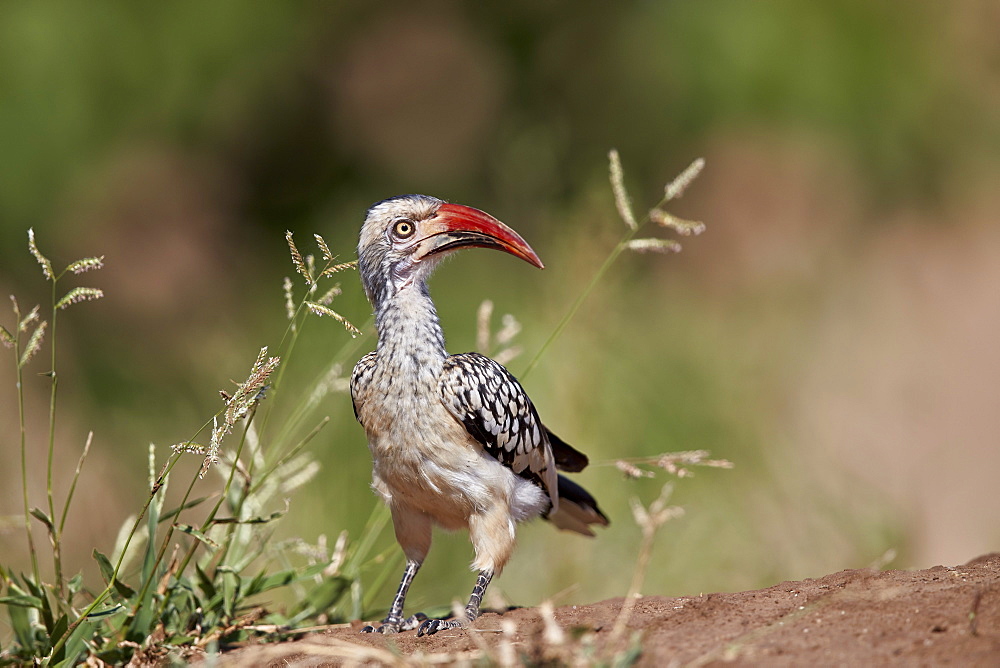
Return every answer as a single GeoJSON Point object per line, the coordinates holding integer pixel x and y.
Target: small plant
{"type": "Point", "coordinates": [172, 587]}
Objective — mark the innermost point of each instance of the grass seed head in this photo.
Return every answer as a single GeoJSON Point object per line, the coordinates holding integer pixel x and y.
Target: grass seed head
{"type": "Point", "coordinates": [498, 345]}
{"type": "Point", "coordinates": [324, 248]}
{"type": "Point", "coordinates": [631, 471]}
{"type": "Point", "coordinates": [683, 227]}
{"type": "Point", "coordinates": [300, 265]}
{"type": "Point", "coordinates": [483, 316]}
{"type": "Point", "coordinates": [622, 201]}
{"type": "Point", "coordinates": [676, 188]}
{"type": "Point", "coordinates": [287, 286]}
{"type": "Point", "coordinates": [212, 453]}
{"type": "Point", "coordinates": [330, 295]}
{"type": "Point", "coordinates": [42, 260]}
{"type": "Point", "coordinates": [34, 343]}
{"type": "Point", "coordinates": [321, 310]}
{"type": "Point", "coordinates": [507, 355]}
{"type": "Point", "coordinates": [509, 328]}
{"type": "Point", "coordinates": [332, 381]}
{"type": "Point", "coordinates": [338, 557]}
{"type": "Point", "coordinates": [188, 448]}
{"type": "Point", "coordinates": [77, 295]}
{"type": "Point", "coordinates": [330, 271]}
{"type": "Point", "coordinates": [653, 246]}
{"type": "Point", "coordinates": [86, 264]}
{"type": "Point", "coordinates": [28, 319]}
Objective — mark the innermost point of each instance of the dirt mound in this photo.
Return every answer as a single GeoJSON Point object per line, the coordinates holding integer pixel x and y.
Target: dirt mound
{"type": "Point", "coordinates": [936, 616]}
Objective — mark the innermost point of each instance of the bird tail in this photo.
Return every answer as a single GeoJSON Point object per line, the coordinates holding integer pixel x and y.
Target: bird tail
{"type": "Point", "coordinates": [577, 509]}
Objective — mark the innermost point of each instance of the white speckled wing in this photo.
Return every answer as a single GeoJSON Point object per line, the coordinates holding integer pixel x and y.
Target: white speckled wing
{"type": "Point", "coordinates": [497, 412]}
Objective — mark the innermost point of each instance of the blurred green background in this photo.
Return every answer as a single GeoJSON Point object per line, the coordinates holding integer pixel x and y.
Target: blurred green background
{"type": "Point", "coordinates": [833, 333]}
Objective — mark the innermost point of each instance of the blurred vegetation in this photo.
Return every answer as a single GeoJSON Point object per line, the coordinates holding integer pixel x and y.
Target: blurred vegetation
{"type": "Point", "coordinates": [843, 140]}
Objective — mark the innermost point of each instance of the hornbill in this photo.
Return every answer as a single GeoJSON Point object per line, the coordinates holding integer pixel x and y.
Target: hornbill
{"type": "Point", "coordinates": [454, 439]}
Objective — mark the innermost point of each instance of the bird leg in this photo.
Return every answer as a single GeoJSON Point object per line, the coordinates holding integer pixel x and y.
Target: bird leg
{"type": "Point", "coordinates": [432, 626]}
{"type": "Point", "coordinates": [394, 622]}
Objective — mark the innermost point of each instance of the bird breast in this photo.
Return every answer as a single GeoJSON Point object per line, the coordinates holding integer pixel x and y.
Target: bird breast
{"type": "Point", "coordinates": [424, 459]}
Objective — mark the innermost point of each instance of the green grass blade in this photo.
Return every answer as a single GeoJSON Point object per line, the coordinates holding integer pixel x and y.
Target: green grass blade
{"type": "Point", "coordinates": [108, 572]}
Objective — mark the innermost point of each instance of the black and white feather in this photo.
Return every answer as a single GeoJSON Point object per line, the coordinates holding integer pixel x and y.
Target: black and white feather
{"type": "Point", "coordinates": [497, 412]}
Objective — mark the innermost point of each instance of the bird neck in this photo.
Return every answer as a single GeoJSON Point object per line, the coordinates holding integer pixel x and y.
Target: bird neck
{"type": "Point", "coordinates": [409, 332]}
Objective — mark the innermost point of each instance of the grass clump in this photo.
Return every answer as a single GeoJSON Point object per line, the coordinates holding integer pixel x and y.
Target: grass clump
{"type": "Point", "coordinates": [188, 578]}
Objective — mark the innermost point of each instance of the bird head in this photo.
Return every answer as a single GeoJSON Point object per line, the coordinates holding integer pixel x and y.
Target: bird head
{"type": "Point", "coordinates": [403, 238]}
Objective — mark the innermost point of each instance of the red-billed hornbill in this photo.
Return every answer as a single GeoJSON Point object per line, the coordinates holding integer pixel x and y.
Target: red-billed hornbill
{"type": "Point", "coordinates": [454, 439]}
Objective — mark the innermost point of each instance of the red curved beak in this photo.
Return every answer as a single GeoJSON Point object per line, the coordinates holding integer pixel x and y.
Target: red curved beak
{"type": "Point", "coordinates": [456, 226]}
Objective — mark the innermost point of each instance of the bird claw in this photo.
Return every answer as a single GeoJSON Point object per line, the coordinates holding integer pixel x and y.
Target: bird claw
{"type": "Point", "coordinates": [395, 626]}
{"type": "Point", "coordinates": [383, 628]}
{"type": "Point", "coordinates": [432, 626]}
{"type": "Point", "coordinates": [413, 621]}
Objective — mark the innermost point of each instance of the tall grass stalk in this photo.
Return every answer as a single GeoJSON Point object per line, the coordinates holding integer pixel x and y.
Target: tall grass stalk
{"type": "Point", "coordinates": [20, 359]}
{"type": "Point", "coordinates": [53, 523]}
{"type": "Point", "coordinates": [628, 241]}
{"type": "Point", "coordinates": [54, 379]}
{"type": "Point", "coordinates": [649, 520]}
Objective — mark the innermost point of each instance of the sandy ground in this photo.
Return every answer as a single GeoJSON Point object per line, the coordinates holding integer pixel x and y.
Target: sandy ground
{"type": "Point", "coordinates": [939, 616]}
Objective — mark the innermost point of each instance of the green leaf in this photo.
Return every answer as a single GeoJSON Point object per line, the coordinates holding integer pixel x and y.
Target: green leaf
{"type": "Point", "coordinates": [322, 598]}
{"type": "Point", "coordinates": [75, 583]}
{"type": "Point", "coordinates": [32, 587]}
{"type": "Point", "coordinates": [20, 622]}
{"type": "Point", "coordinates": [278, 514]}
{"type": "Point", "coordinates": [118, 607]}
{"type": "Point", "coordinates": [22, 600]}
{"type": "Point", "coordinates": [204, 582]}
{"type": "Point", "coordinates": [58, 629]}
{"type": "Point", "coordinates": [108, 571]}
{"type": "Point", "coordinates": [230, 592]}
{"type": "Point", "coordinates": [76, 645]}
{"type": "Point", "coordinates": [44, 608]}
{"type": "Point", "coordinates": [141, 623]}
{"type": "Point", "coordinates": [264, 582]}
{"type": "Point", "coordinates": [190, 504]}
{"type": "Point", "coordinates": [40, 515]}
{"type": "Point", "coordinates": [115, 656]}
{"type": "Point", "coordinates": [195, 533]}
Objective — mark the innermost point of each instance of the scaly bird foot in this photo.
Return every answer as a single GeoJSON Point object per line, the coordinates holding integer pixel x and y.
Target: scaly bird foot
{"type": "Point", "coordinates": [396, 625]}
{"type": "Point", "coordinates": [432, 626]}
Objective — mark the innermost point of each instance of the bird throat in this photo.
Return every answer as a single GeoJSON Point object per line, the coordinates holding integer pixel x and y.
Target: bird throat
{"type": "Point", "coordinates": [410, 338]}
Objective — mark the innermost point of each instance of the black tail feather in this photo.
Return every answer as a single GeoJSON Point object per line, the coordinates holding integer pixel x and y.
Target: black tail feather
{"type": "Point", "coordinates": [577, 509]}
{"type": "Point", "coordinates": [574, 493]}
{"type": "Point", "coordinates": [567, 457]}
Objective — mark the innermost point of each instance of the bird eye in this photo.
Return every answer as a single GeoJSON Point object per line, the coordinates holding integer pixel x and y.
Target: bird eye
{"type": "Point", "coordinates": [403, 229]}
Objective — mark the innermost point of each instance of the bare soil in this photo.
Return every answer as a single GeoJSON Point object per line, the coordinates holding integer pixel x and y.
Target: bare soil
{"type": "Point", "coordinates": [938, 616]}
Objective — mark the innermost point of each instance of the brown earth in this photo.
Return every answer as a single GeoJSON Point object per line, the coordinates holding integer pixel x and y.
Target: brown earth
{"type": "Point", "coordinates": [939, 616]}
